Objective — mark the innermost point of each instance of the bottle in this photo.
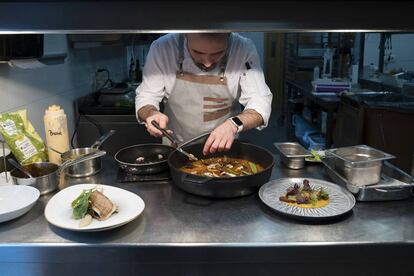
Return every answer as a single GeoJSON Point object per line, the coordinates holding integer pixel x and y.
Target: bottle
{"type": "Point", "coordinates": [56, 132]}
{"type": "Point", "coordinates": [316, 72]}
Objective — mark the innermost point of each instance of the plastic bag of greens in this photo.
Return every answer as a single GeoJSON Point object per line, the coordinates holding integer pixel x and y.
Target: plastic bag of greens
{"type": "Point", "coordinates": [24, 142]}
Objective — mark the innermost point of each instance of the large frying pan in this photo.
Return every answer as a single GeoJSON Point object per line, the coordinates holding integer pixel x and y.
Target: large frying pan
{"type": "Point", "coordinates": [222, 187]}
{"type": "Point", "coordinates": [126, 158]}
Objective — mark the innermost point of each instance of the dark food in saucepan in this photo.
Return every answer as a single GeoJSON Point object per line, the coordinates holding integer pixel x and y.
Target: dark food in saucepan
{"type": "Point", "coordinates": [222, 167]}
{"type": "Point", "coordinates": [305, 195]}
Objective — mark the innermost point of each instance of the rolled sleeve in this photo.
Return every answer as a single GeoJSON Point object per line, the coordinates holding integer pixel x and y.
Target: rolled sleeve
{"type": "Point", "coordinates": [152, 89]}
{"type": "Point", "coordinates": [255, 94]}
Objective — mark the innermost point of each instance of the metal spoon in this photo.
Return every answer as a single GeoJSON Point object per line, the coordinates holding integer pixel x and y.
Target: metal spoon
{"type": "Point", "coordinates": [55, 150]}
{"type": "Point", "coordinates": [174, 142]}
{"type": "Point", "coordinates": [20, 168]}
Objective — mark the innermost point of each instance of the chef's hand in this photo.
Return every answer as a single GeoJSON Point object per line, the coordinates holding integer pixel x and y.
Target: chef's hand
{"type": "Point", "coordinates": [221, 138]}
{"type": "Point", "coordinates": [161, 119]}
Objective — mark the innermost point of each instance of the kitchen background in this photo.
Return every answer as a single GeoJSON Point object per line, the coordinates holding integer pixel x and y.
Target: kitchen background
{"type": "Point", "coordinates": [36, 88]}
{"type": "Point", "coordinates": [73, 74]}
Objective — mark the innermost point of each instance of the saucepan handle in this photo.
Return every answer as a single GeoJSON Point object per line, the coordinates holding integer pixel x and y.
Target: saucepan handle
{"type": "Point", "coordinates": [83, 158]}
{"type": "Point", "coordinates": [102, 139]}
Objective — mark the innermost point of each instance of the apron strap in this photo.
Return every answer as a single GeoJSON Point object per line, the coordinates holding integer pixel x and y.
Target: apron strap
{"type": "Point", "coordinates": [180, 53]}
{"type": "Point", "coordinates": [223, 63]}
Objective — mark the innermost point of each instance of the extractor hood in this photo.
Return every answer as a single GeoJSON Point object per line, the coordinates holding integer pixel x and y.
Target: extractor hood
{"type": "Point", "coordinates": [166, 16]}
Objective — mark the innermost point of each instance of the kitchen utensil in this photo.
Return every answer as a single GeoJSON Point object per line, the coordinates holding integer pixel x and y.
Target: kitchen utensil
{"type": "Point", "coordinates": [15, 201]}
{"type": "Point", "coordinates": [394, 184]}
{"type": "Point", "coordinates": [361, 164]}
{"type": "Point", "coordinates": [58, 211]}
{"type": "Point", "coordinates": [55, 150]}
{"type": "Point", "coordinates": [82, 159]}
{"type": "Point", "coordinates": [45, 175]}
{"type": "Point", "coordinates": [340, 200]}
{"type": "Point", "coordinates": [173, 141]}
{"type": "Point", "coordinates": [4, 154]}
{"type": "Point", "coordinates": [102, 139]}
{"type": "Point", "coordinates": [292, 154]}
{"type": "Point", "coordinates": [220, 187]}
{"type": "Point", "coordinates": [151, 153]}
{"type": "Point", "coordinates": [19, 167]}
{"type": "Point", "coordinates": [87, 168]}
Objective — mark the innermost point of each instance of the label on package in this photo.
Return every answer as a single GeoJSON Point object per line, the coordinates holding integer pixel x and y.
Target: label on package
{"type": "Point", "coordinates": [26, 147]}
{"type": "Point", "coordinates": [9, 127]}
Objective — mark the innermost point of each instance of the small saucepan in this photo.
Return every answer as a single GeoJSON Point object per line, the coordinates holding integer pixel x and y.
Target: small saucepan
{"type": "Point", "coordinates": [45, 175]}
{"type": "Point", "coordinates": [87, 168]}
{"type": "Point", "coordinates": [144, 158]}
{"type": "Point", "coordinates": [149, 158]}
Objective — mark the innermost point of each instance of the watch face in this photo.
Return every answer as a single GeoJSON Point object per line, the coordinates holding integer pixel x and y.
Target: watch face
{"type": "Point", "coordinates": [237, 121]}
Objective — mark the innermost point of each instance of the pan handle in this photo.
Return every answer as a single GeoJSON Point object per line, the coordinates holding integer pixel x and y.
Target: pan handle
{"type": "Point", "coordinates": [102, 139]}
{"type": "Point", "coordinates": [81, 159]}
{"type": "Point", "coordinates": [189, 179]}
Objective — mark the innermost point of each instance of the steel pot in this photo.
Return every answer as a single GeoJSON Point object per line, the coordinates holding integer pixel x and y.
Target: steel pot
{"type": "Point", "coordinates": [45, 176]}
{"type": "Point", "coordinates": [87, 168]}
{"type": "Point", "coordinates": [222, 187]}
{"type": "Point", "coordinates": [83, 169]}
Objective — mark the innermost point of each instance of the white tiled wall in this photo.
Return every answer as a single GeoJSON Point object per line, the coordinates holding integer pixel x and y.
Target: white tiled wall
{"type": "Point", "coordinates": [35, 89]}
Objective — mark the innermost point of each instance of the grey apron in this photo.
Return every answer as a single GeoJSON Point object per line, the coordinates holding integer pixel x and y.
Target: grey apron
{"type": "Point", "coordinates": [198, 104]}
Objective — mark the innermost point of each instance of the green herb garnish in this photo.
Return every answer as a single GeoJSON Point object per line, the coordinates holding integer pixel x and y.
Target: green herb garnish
{"type": "Point", "coordinates": [81, 204]}
{"type": "Point", "coordinates": [253, 167]}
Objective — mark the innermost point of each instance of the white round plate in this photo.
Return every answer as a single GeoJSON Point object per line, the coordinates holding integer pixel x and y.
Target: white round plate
{"type": "Point", "coordinates": [58, 210]}
{"type": "Point", "coordinates": [340, 200]}
{"type": "Point", "coordinates": [16, 200]}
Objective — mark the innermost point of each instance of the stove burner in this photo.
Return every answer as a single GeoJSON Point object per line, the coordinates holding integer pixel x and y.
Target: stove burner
{"type": "Point", "coordinates": [124, 177]}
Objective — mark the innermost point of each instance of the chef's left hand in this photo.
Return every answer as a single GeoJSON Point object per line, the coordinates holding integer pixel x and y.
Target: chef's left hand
{"type": "Point", "coordinates": [221, 138]}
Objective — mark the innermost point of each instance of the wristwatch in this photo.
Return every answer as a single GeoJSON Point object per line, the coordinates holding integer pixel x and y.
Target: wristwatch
{"type": "Point", "coordinates": [237, 122]}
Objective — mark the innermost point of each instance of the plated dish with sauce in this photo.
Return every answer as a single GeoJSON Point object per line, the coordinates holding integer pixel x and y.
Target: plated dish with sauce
{"type": "Point", "coordinates": [306, 198]}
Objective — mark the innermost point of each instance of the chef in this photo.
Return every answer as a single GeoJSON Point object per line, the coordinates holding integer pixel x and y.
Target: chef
{"type": "Point", "coordinates": [204, 79]}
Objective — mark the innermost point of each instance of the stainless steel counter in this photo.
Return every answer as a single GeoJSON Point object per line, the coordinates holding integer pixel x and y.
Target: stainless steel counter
{"type": "Point", "coordinates": [183, 234]}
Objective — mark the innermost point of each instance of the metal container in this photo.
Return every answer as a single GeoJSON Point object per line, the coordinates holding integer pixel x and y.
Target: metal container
{"type": "Point", "coordinates": [292, 154]}
{"type": "Point", "coordinates": [361, 165]}
{"type": "Point", "coordinates": [83, 169]}
{"type": "Point", "coordinates": [45, 178]}
{"type": "Point", "coordinates": [394, 184]}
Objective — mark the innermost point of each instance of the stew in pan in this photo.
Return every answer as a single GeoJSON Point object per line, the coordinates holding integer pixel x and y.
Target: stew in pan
{"type": "Point", "coordinates": [222, 167]}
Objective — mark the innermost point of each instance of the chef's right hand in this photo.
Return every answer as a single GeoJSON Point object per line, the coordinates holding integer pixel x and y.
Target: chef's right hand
{"type": "Point", "coordinates": [161, 119]}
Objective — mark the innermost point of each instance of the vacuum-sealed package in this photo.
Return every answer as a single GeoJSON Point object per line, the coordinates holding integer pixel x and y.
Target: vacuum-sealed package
{"type": "Point", "coordinates": [24, 142]}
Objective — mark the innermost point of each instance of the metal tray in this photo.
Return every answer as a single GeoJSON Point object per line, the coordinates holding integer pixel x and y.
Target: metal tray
{"type": "Point", "coordinates": [361, 165]}
{"type": "Point", "coordinates": [292, 154]}
{"type": "Point", "coordinates": [394, 184]}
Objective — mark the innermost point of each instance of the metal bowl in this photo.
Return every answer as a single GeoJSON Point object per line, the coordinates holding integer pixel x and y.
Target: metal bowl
{"type": "Point", "coordinates": [45, 176]}
{"type": "Point", "coordinates": [87, 168]}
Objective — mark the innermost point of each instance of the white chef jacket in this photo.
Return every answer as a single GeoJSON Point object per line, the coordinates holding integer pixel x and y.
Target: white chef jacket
{"type": "Point", "coordinates": [248, 85]}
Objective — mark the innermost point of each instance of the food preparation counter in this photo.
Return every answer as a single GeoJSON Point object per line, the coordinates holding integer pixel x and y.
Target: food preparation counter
{"type": "Point", "coordinates": [182, 234]}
